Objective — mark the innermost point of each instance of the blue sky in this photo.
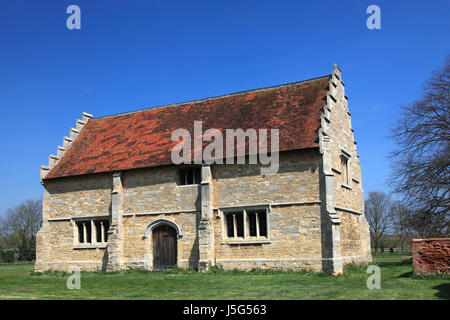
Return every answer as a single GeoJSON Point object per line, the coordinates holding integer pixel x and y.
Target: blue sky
{"type": "Point", "coordinates": [135, 54]}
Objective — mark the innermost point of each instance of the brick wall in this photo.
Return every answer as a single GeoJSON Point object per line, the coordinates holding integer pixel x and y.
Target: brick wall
{"type": "Point", "coordinates": [431, 255]}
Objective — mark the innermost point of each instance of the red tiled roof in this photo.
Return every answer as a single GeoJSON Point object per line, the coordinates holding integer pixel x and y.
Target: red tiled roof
{"type": "Point", "coordinates": [143, 138]}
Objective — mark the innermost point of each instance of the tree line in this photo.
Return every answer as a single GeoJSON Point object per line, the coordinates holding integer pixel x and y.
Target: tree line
{"type": "Point", "coordinates": [391, 223]}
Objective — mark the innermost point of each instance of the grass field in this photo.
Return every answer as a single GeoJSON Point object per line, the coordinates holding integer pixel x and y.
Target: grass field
{"type": "Point", "coordinates": [397, 282]}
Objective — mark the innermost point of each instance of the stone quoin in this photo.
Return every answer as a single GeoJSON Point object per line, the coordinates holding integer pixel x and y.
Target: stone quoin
{"type": "Point", "coordinates": [113, 198]}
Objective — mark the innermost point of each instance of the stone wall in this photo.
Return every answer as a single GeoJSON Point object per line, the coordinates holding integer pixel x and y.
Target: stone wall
{"type": "Point", "coordinates": [149, 195]}
{"type": "Point", "coordinates": [431, 256]}
{"type": "Point", "coordinates": [349, 195]}
{"type": "Point", "coordinates": [296, 181]}
{"type": "Point", "coordinates": [156, 190]}
{"type": "Point", "coordinates": [294, 243]}
{"type": "Point", "coordinates": [84, 196]}
{"type": "Point", "coordinates": [354, 246]}
{"type": "Point", "coordinates": [56, 250]}
{"type": "Point", "coordinates": [345, 232]}
{"type": "Point", "coordinates": [64, 200]}
{"type": "Point", "coordinates": [292, 196]}
{"type": "Point", "coordinates": [138, 244]}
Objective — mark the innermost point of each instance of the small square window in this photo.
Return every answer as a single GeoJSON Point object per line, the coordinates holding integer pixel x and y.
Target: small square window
{"type": "Point", "coordinates": [189, 176]}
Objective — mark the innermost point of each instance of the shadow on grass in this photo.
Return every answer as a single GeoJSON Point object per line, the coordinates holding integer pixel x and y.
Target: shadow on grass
{"type": "Point", "coordinates": [443, 291]}
{"type": "Point", "coordinates": [395, 263]}
{"type": "Point", "coordinates": [406, 275]}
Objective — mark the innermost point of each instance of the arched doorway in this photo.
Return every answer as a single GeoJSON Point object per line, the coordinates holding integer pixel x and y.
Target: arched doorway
{"type": "Point", "coordinates": [164, 247]}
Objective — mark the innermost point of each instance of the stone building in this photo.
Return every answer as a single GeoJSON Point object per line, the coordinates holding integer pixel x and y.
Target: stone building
{"type": "Point", "coordinates": [114, 199]}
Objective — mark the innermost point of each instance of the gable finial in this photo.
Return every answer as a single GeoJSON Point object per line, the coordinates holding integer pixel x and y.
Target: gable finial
{"type": "Point", "coordinates": [336, 71]}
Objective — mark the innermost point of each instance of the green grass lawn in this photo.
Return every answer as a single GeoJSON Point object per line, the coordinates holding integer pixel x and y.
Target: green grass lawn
{"type": "Point", "coordinates": [397, 282]}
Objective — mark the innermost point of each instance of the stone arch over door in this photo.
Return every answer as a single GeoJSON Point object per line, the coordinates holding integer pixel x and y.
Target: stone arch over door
{"type": "Point", "coordinates": [166, 234]}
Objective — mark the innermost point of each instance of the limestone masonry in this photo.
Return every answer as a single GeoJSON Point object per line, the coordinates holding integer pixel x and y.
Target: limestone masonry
{"type": "Point", "coordinates": [113, 200]}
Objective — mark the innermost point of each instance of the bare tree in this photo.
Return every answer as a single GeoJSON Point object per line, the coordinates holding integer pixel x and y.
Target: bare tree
{"type": "Point", "coordinates": [401, 222]}
{"type": "Point", "coordinates": [421, 161]}
{"type": "Point", "coordinates": [20, 225]}
{"type": "Point", "coordinates": [425, 225]}
{"type": "Point", "coordinates": [377, 210]}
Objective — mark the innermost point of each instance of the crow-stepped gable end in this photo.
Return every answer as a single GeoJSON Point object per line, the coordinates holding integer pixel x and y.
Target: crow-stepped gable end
{"type": "Point", "coordinates": [114, 199]}
{"type": "Point", "coordinates": [67, 143]}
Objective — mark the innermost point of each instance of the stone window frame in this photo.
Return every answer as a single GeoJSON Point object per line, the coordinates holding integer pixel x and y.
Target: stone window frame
{"type": "Point", "coordinates": [94, 243]}
{"type": "Point", "coordinates": [246, 239]}
{"type": "Point", "coordinates": [347, 156]}
{"type": "Point", "coordinates": [196, 178]}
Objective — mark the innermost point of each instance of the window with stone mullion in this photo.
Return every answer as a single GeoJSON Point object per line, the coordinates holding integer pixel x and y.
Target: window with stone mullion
{"type": "Point", "coordinates": [246, 224]}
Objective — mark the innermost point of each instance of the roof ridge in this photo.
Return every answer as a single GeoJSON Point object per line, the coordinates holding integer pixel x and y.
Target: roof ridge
{"type": "Point", "coordinates": [214, 97]}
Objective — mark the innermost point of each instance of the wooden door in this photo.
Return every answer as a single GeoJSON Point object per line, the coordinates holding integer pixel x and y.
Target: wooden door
{"type": "Point", "coordinates": [164, 248]}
